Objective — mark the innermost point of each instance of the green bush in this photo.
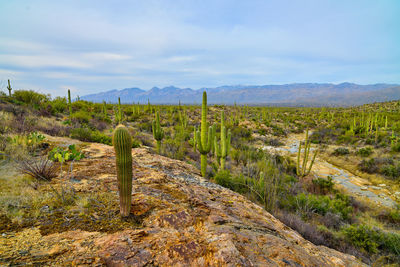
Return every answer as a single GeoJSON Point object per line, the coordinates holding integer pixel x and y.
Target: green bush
{"type": "Point", "coordinates": [391, 171]}
{"type": "Point", "coordinates": [341, 151]}
{"type": "Point", "coordinates": [324, 185]}
{"type": "Point", "coordinates": [365, 151]}
{"type": "Point", "coordinates": [396, 147]}
{"type": "Point", "coordinates": [81, 117]}
{"type": "Point", "coordinates": [83, 134]}
{"type": "Point", "coordinates": [362, 236]}
{"type": "Point", "coordinates": [372, 240]}
{"type": "Point", "coordinates": [59, 105]}
{"type": "Point", "coordinates": [87, 135]}
{"type": "Point", "coordinates": [369, 166]}
{"type": "Point", "coordinates": [307, 203]}
{"type": "Point", "coordinates": [99, 137]}
{"type": "Point", "coordinates": [30, 97]}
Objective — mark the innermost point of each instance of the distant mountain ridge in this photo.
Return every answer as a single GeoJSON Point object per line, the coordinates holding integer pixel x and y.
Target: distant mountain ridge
{"type": "Point", "coordinates": [295, 94]}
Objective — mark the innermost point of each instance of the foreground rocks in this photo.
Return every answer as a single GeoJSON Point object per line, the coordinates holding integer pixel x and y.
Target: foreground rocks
{"type": "Point", "coordinates": [186, 221]}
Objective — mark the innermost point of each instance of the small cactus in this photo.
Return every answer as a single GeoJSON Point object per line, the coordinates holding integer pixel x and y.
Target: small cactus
{"type": "Point", "coordinates": [158, 132]}
{"type": "Point", "coordinates": [222, 150]}
{"type": "Point", "coordinates": [105, 109]}
{"type": "Point", "coordinates": [9, 88]}
{"type": "Point", "coordinates": [122, 142]}
{"type": "Point", "coordinates": [69, 104]}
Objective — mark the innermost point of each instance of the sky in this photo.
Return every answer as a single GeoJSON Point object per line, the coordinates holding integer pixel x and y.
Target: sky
{"type": "Point", "coordinates": [93, 46]}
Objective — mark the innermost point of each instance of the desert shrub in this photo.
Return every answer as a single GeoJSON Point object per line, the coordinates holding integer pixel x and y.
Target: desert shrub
{"type": "Point", "coordinates": [278, 131]}
{"type": "Point", "coordinates": [53, 128]}
{"type": "Point", "coordinates": [59, 105]}
{"type": "Point", "coordinates": [41, 169]}
{"type": "Point", "coordinates": [341, 151]}
{"type": "Point", "coordinates": [273, 142]}
{"type": "Point", "coordinates": [99, 137]}
{"type": "Point", "coordinates": [391, 171]}
{"type": "Point", "coordinates": [224, 178]}
{"type": "Point", "coordinates": [83, 134]}
{"type": "Point", "coordinates": [80, 116]}
{"type": "Point", "coordinates": [332, 220]}
{"type": "Point", "coordinates": [145, 126]}
{"type": "Point", "coordinates": [240, 132]}
{"type": "Point", "coordinates": [98, 125]}
{"type": "Point", "coordinates": [365, 151]}
{"type": "Point", "coordinates": [362, 236]}
{"type": "Point", "coordinates": [307, 230]}
{"type": "Point", "coordinates": [372, 240]}
{"type": "Point", "coordinates": [322, 135]}
{"type": "Point", "coordinates": [322, 186]}
{"type": "Point", "coordinates": [391, 216]}
{"type": "Point", "coordinates": [396, 147]}
{"type": "Point", "coordinates": [309, 203]}
{"type": "Point", "coordinates": [30, 97]}
{"type": "Point", "coordinates": [174, 148]}
{"type": "Point", "coordinates": [369, 166]}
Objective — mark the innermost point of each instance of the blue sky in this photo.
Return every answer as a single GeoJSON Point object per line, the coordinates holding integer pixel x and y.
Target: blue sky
{"type": "Point", "coordinates": [92, 46]}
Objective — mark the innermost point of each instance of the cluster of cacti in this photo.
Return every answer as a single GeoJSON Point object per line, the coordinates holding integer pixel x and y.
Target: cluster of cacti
{"type": "Point", "coordinates": [158, 132]}
{"type": "Point", "coordinates": [204, 138]}
{"type": "Point", "coordinates": [183, 118]}
{"type": "Point", "coordinates": [9, 88]}
{"type": "Point", "coordinates": [302, 169]}
{"type": "Point", "coordinates": [122, 142]}
{"type": "Point", "coordinates": [222, 149]}
{"type": "Point", "coordinates": [69, 104]}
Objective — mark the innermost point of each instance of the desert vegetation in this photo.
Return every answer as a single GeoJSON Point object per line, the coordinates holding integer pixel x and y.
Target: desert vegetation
{"type": "Point", "coordinates": [243, 148]}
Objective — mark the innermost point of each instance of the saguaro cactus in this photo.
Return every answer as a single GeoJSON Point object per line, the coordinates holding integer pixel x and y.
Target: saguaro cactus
{"type": "Point", "coordinates": [122, 142]}
{"type": "Point", "coordinates": [69, 104]}
{"type": "Point", "coordinates": [303, 170]}
{"type": "Point", "coordinates": [9, 88]}
{"type": "Point", "coordinates": [105, 109]}
{"type": "Point", "coordinates": [204, 143]}
{"type": "Point", "coordinates": [222, 150]}
{"type": "Point", "coordinates": [158, 132]}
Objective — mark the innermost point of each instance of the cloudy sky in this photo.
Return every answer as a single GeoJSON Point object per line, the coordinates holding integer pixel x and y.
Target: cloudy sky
{"type": "Point", "coordinates": [92, 46]}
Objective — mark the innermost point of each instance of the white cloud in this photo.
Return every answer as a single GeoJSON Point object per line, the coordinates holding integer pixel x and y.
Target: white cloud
{"type": "Point", "coordinates": [38, 61]}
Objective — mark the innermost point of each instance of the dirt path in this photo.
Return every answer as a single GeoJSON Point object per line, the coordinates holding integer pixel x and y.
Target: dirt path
{"type": "Point", "coordinates": [353, 184]}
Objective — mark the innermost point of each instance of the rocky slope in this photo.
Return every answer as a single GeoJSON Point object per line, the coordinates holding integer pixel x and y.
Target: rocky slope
{"type": "Point", "coordinates": [184, 221]}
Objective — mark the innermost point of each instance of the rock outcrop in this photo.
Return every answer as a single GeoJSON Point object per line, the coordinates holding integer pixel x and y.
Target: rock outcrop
{"type": "Point", "coordinates": [185, 221]}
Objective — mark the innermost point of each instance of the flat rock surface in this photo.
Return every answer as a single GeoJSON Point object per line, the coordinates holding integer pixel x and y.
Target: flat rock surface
{"type": "Point", "coordinates": [187, 221]}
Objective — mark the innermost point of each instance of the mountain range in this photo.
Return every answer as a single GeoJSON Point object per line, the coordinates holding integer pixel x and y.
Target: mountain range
{"type": "Point", "coordinates": [295, 94]}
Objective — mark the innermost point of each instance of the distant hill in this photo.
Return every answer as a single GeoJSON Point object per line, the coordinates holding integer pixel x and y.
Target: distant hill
{"type": "Point", "coordinates": [296, 94]}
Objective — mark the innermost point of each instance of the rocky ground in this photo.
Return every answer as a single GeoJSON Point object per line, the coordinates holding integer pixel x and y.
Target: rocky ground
{"type": "Point", "coordinates": [178, 219]}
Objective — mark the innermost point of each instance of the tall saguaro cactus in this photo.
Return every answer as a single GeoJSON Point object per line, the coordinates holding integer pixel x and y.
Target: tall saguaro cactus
{"type": "Point", "coordinates": [69, 104]}
{"type": "Point", "coordinates": [204, 142]}
{"type": "Point", "coordinates": [303, 170]}
{"type": "Point", "coordinates": [9, 88]}
{"type": "Point", "coordinates": [158, 132]}
{"type": "Point", "coordinates": [222, 150]}
{"type": "Point", "coordinates": [122, 142]}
